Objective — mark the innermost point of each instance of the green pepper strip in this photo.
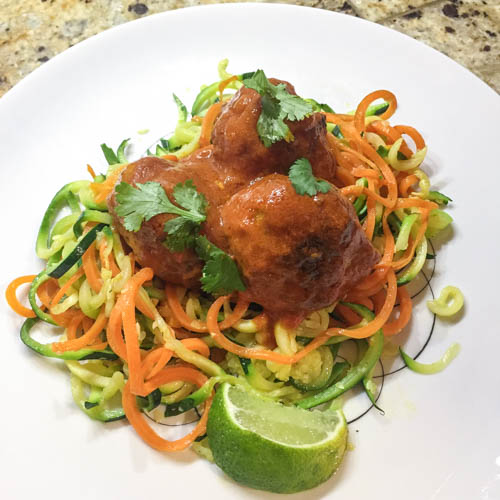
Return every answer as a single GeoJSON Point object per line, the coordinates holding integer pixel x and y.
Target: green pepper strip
{"type": "Point", "coordinates": [46, 349]}
{"type": "Point", "coordinates": [60, 199]}
{"type": "Point", "coordinates": [357, 372]}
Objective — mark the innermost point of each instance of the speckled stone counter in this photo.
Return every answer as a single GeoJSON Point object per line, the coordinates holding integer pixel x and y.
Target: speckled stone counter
{"type": "Point", "coordinates": [33, 31]}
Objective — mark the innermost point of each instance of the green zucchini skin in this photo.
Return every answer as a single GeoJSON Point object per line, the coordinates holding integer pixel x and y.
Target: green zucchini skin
{"type": "Point", "coordinates": [61, 198]}
{"type": "Point", "coordinates": [354, 375]}
{"type": "Point", "coordinates": [192, 401]}
{"type": "Point", "coordinates": [150, 402]}
{"type": "Point", "coordinates": [46, 350]}
{"type": "Point", "coordinates": [61, 268]}
{"type": "Point", "coordinates": [357, 372]}
{"type": "Point", "coordinates": [56, 269]}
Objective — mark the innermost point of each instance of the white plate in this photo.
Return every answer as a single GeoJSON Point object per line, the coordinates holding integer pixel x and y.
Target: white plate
{"type": "Point", "coordinates": [440, 437]}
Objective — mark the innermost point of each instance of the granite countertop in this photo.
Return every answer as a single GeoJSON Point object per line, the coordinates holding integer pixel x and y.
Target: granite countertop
{"type": "Point", "coordinates": [33, 31]}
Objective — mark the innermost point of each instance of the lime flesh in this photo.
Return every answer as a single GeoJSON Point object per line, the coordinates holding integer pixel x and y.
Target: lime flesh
{"type": "Point", "coordinates": [268, 446]}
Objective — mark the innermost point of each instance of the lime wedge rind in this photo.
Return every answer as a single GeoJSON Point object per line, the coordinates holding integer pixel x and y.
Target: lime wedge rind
{"type": "Point", "coordinates": [280, 465]}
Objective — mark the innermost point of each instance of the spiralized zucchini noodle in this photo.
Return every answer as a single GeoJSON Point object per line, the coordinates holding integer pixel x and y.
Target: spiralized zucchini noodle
{"type": "Point", "coordinates": [133, 343]}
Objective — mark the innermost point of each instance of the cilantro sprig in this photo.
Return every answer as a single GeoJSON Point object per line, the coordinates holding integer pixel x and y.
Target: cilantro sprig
{"type": "Point", "coordinates": [220, 273]}
{"type": "Point", "coordinates": [278, 105]}
{"type": "Point", "coordinates": [141, 203]}
{"type": "Point", "coordinates": [303, 180]}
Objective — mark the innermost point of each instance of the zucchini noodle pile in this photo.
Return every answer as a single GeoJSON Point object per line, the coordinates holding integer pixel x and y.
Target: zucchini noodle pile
{"type": "Point", "coordinates": [133, 343]}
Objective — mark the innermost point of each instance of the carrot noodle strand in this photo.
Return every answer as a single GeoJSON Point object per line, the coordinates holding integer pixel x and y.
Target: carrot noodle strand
{"type": "Point", "coordinates": [92, 272]}
{"type": "Point", "coordinates": [91, 171]}
{"type": "Point", "coordinates": [60, 294]}
{"type": "Point", "coordinates": [13, 301]}
{"type": "Point", "coordinates": [405, 308]}
{"type": "Point", "coordinates": [208, 123]}
{"type": "Point", "coordinates": [360, 114]}
{"type": "Point", "coordinates": [196, 325]}
{"type": "Point", "coordinates": [86, 339]}
{"type": "Point", "coordinates": [142, 427]}
{"type": "Point", "coordinates": [129, 327]}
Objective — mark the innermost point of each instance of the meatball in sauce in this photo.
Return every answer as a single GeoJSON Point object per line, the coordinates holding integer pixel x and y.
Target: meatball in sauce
{"type": "Point", "coordinates": [296, 253]}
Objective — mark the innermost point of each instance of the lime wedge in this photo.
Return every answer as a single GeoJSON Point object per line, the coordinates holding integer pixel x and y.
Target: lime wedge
{"type": "Point", "coordinates": [268, 446]}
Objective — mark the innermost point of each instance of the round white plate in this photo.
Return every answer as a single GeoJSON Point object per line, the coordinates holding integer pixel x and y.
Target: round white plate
{"type": "Point", "coordinates": [440, 436]}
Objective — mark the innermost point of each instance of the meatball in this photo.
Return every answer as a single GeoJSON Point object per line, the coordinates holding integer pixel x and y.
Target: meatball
{"type": "Point", "coordinates": [237, 143]}
{"type": "Point", "coordinates": [297, 253]}
{"type": "Point", "coordinates": [182, 268]}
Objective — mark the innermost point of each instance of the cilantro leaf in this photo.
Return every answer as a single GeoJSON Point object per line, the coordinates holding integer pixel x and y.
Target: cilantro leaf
{"type": "Point", "coordinates": [188, 197]}
{"type": "Point", "coordinates": [272, 129]}
{"type": "Point", "coordinates": [181, 233]}
{"type": "Point", "coordinates": [143, 202]}
{"type": "Point", "coordinates": [220, 273]}
{"type": "Point", "coordinates": [278, 105]}
{"type": "Point", "coordinates": [293, 107]}
{"type": "Point", "coordinates": [317, 106]}
{"type": "Point", "coordinates": [258, 81]}
{"type": "Point", "coordinates": [137, 204]}
{"type": "Point", "coordinates": [303, 180]}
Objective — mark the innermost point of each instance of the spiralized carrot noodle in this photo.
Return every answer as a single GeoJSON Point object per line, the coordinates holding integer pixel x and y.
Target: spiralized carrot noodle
{"type": "Point", "coordinates": [354, 138]}
{"type": "Point", "coordinates": [247, 352]}
{"type": "Point", "coordinates": [142, 427]}
{"type": "Point", "coordinates": [225, 83]}
{"type": "Point", "coordinates": [170, 157]}
{"type": "Point", "coordinates": [101, 190]}
{"type": "Point", "coordinates": [208, 123]}
{"type": "Point", "coordinates": [62, 291]}
{"type": "Point", "coordinates": [359, 116]}
{"type": "Point", "coordinates": [196, 325]}
{"type": "Point", "coordinates": [384, 129]}
{"type": "Point", "coordinates": [194, 344]}
{"type": "Point", "coordinates": [406, 183]}
{"type": "Point", "coordinates": [86, 339]}
{"type": "Point", "coordinates": [11, 296]}
{"type": "Point", "coordinates": [133, 353]}
{"type": "Point", "coordinates": [155, 361]}
{"type": "Point", "coordinates": [91, 171]}
{"type": "Point", "coordinates": [413, 133]}
{"type": "Point", "coordinates": [405, 308]}
{"type": "Point", "coordinates": [89, 264]}
{"type": "Point", "coordinates": [348, 314]}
